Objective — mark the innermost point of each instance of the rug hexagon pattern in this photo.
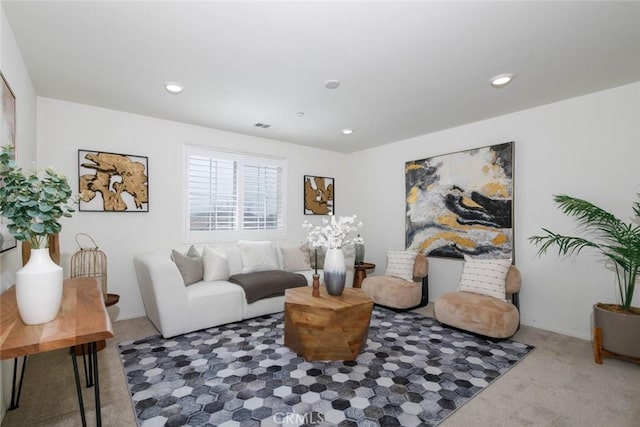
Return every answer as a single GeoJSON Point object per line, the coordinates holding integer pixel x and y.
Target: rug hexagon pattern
{"type": "Point", "coordinates": [412, 372]}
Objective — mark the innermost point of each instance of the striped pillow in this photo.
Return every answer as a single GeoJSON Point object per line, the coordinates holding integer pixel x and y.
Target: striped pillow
{"type": "Point", "coordinates": [400, 264]}
{"type": "Point", "coordinates": [485, 277]}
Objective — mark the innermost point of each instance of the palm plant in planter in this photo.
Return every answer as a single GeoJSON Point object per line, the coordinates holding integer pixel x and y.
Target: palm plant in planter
{"type": "Point", "coordinates": [617, 326]}
{"type": "Point", "coordinates": [33, 205]}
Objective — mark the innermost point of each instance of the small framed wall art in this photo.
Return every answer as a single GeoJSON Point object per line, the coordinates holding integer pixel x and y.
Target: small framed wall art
{"type": "Point", "coordinates": [112, 182]}
{"type": "Point", "coordinates": [8, 132]}
{"type": "Point", "coordinates": [319, 195]}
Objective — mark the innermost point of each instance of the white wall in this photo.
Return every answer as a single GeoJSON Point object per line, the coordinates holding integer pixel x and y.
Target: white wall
{"type": "Point", "coordinates": [15, 72]}
{"type": "Point", "coordinates": [586, 147]}
{"type": "Point", "coordinates": [65, 127]}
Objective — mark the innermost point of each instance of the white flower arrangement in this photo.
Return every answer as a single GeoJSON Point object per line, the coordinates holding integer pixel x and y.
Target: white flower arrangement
{"type": "Point", "coordinates": [335, 233]}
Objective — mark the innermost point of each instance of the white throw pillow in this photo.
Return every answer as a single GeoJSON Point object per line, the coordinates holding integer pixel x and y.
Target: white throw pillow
{"type": "Point", "coordinates": [485, 277]}
{"type": "Point", "coordinates": [216, 266]}
{"type": "Point", "coordinates": [258, 256]}
{"type": "Point", "coordinates": [295, 258]}
{"type": "Point", "coordinates": [400, 264]}
{"type": "Point", "coordinates": [232, 254]}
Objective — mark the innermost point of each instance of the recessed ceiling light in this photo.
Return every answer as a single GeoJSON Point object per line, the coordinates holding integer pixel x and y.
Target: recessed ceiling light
{"type": "Point", "coordinates": [331, 84]}
{"type": "Point", "coordinates": [173, 87]}
{"type": "Point", "coordinates": [501, 80]}
{"type": "Point", "coordinates": [347, 131]}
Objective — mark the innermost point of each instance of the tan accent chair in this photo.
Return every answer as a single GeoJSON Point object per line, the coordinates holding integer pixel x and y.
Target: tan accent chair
{"type": "Point", "coordinates": [482, 314]}
{"type": "Point", "coordinates": [399, 294]}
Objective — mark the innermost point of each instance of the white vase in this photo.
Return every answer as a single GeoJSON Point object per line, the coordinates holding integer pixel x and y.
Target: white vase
{"type": "Point", "coordinates": [39, 288]}
{"type": "Point", "coordinates": [335, 271]}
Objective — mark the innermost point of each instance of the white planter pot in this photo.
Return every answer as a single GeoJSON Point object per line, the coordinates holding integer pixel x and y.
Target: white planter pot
{"type": "Point", "coordinates": [39, 288]}
{"type": "Point", "coordinates": [335, 271]}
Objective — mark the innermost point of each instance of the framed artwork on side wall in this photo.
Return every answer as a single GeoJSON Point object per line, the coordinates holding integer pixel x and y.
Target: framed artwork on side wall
{"type": "Point", "coordinates": [461, 203]}
{"type": "Point", "coordinates": [319, 195]}
{"type": "Point", "coordinates": [112, 182]}
{"type": "Point", "coordinates": [8, 138]}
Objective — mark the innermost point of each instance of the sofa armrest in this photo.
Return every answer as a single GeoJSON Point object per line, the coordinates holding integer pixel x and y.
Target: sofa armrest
{"type": "Point", "coordinates": [162, 289]}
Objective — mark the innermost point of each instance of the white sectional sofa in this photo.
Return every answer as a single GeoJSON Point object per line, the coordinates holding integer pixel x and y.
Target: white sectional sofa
{"type": "Point", "coordinates": [176, 309]}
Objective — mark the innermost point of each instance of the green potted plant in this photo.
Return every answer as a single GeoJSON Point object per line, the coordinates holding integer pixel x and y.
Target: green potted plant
{"type": "Point", "coordinates": [34, 204]}
{"type": "Point", "coordinates": [616, 326]}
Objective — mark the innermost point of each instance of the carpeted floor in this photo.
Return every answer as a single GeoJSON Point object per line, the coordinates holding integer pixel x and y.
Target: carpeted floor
{"type": "Point", "coordinates": [412, 372]}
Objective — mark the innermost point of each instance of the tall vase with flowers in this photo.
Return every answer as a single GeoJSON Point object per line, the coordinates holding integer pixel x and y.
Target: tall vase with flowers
{"type": "Point", "coordinates": [34, 203]}
{"type": "Point", "coordinates": [334, 234]}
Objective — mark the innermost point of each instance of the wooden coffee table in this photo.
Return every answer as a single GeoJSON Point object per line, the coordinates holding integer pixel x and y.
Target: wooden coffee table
{"type": "Point", "coordinates": [326, 327]}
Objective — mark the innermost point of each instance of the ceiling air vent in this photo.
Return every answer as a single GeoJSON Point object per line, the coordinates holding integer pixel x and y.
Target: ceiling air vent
{"type": "Point", "coordinates": [262, 125]}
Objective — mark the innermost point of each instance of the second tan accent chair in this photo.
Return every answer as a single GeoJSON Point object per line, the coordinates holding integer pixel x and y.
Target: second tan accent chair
{"type": "Point", "coordinates": [482, 314]}
{"type": "Point", "coordinates": [400, 290]}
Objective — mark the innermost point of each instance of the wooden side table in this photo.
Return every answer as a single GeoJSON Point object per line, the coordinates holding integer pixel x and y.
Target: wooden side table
{"type": "Point", "coordinates": [361, 273]}
{"type": "Point", "coordinates": [82, 350]}
{"type": "Point", "coordinates": [83, 319]}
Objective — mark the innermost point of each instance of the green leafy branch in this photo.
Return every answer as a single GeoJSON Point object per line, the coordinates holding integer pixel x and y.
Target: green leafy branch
{"type": "Point", "coordinates": [32, 204]}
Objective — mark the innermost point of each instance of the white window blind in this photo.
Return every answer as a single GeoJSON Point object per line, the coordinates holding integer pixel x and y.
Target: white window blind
{"type": "Point", "coordinates": [231, 195]}
{"type": "Point", "coordinates": [213, 194]}
{"type": "Point", "coordinates": [262, 197]}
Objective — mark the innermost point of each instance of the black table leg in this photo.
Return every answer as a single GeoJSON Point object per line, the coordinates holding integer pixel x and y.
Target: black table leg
{"type": "Point", "coordinates": [96, 384]}
{"type": "Point", "coordinates": [78, 387]}
{"type": "Point", "coordinates": [92, 379]}
{"type": "Point", "coordinates": [15, 399]}
{"type": "Point", "coordinates": [88, 368]}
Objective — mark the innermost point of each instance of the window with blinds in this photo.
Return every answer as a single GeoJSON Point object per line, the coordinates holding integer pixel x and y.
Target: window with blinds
{"type": "Point", "coordinates": [232, 195]}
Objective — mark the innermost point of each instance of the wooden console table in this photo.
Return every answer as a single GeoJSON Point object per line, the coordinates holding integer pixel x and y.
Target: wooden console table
{"type": "Point", "coordinates": [82, 319]}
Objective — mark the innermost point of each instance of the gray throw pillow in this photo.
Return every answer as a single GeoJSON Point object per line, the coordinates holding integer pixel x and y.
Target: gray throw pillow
{"type": "Point", "coordinates": [190, 266]}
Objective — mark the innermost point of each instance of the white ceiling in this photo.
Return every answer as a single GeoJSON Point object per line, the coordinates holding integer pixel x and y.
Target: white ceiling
{"type": "Point", "coordinates": [406, 68]}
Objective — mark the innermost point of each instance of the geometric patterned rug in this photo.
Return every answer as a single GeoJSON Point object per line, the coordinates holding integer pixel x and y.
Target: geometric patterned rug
{"type": "Point", "coordinates": [413, 372]}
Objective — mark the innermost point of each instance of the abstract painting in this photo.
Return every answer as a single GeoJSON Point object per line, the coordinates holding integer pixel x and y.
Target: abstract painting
{"type": "Point", "coordinates": [318, 195]}
{"type": "Point", "coordinates": [111, 182]}
{"type": "Point", "coordinates": [8, 135]}
{"type": "Point", "coordinates": [461, 203]}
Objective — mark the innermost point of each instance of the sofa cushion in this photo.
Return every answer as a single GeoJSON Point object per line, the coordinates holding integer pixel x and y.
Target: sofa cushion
{"type": "Point", "coordinates": [295, 257]}
{"type": "Point", "coordinates": [216, 266]}
{"type": "Point", "coordinates": [258, 256]}
{"type": "Point", "coordinates": [190, 265]}
{"type": "Point", "coordinates": [400, 264]}
{"type": "Point", "coordinates": [484, 277]}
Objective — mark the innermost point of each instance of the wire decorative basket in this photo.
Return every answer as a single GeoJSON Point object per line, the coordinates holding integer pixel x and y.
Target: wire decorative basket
{"type": "Point", "coordinates": [90, 262]}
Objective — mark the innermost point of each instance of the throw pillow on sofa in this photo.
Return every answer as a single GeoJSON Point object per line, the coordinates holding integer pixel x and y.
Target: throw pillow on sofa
{"type": "Point", "coordinates": [258, 256]}
{"type": "Point", "coordinates": [190, 265]}
{"type": "Point", "coordinates": [216, 266]}
{"type": "Point", "coordinates": [232, 254]}
{"type": "Point", "coordinates": [295, 257]}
